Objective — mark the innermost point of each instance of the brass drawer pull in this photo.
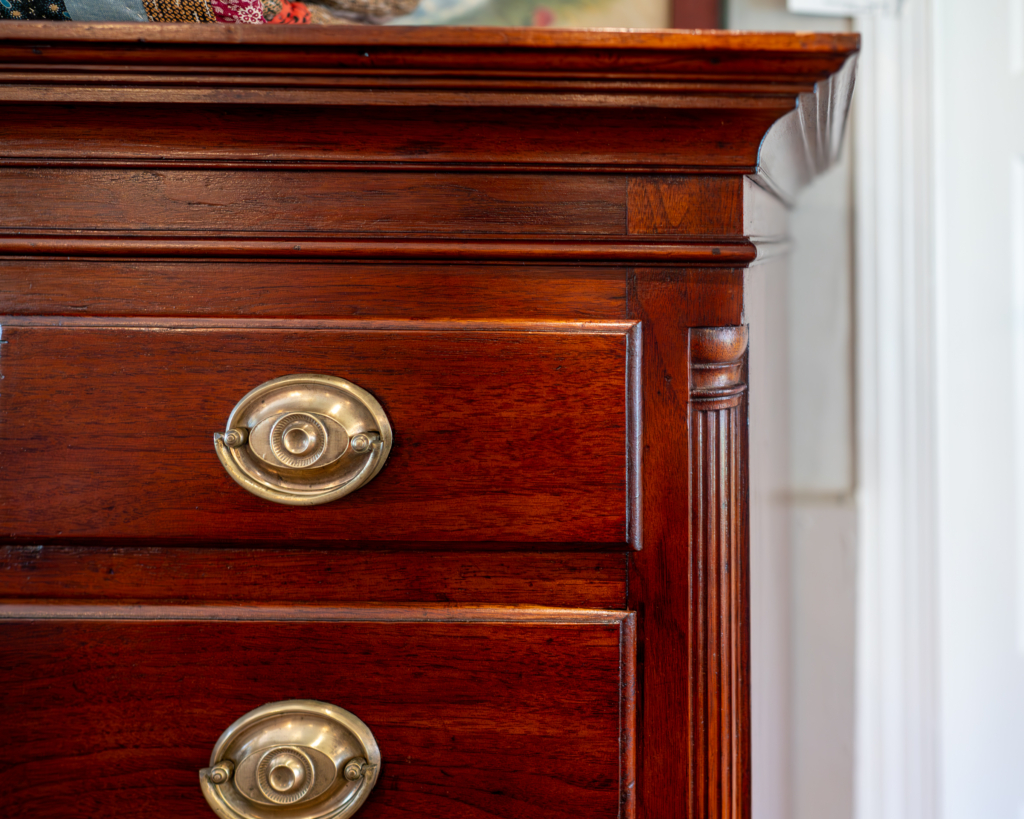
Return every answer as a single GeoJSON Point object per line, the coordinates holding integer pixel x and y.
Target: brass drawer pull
{"type": "Point", "coordinates": [305, 439]}
{"type": "Point", "coordinates": [298, 758]}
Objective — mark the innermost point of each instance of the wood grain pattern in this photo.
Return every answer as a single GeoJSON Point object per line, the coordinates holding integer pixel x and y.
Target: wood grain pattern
{"type": "Point", "coordinates": [704, 296]}
{"type": "Point", "coordinates": [119, 446]}
{"type": "Point", "coordinates": [202, 247]}
{"type": "Point", "coordinates": [691, 205]}
{"type": "Point", "coordinates": [128, 611]}
{"type": "Point", "coordinates": [470, 717]}
{"type": "Point", "coordinates": [693, 714]}
{"type": "Point", "coordinates": [436, 47]}
{"type": "Point", "coordinates": [694, 100]}
{"type": "Point", "coordinates": [115, 287]}
{"type": "Point", "coordinates": [499, 137]}
{"type": "Point", "coordinates": [309, 202]}
{"type": "Point", "coordinates": [658, 576]}
{"type": "Point", "coordinates": [457, 60]}
{"type": "Point", "coordinates": [292, 576]}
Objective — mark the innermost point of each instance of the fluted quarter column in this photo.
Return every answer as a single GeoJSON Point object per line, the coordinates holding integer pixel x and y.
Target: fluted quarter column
{"type": "Point", "coordinates": [718, 599]}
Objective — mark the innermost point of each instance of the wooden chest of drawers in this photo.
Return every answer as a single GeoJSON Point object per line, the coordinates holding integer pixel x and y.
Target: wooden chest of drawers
{"type": "Point", "coordinates": [531, 249]}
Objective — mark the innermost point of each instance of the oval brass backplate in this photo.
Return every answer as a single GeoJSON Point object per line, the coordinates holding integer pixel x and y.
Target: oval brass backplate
{"type": "Point", "coordinates": [300, 759]}
{"type": "Point", "coordinates": [305, 439]}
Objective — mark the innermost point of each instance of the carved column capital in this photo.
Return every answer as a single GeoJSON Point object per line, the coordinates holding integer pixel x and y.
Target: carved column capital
{"type": "Point", "coordinates": [717, 366]}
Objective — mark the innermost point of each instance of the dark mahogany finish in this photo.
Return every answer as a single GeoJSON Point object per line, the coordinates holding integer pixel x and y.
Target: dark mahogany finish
{"type": "Point", "coordinates": [273, 575]}
{"type": "Point", "coordinates": [473, 716]}
{"type": "Point", "coordinates": [483, 438]}
{"type": "Point", "coordinates": [696, 13]}
{"type": "Point", "coordinates": [533, 247]}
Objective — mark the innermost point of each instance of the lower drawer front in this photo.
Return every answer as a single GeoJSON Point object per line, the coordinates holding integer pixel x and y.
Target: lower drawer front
{"type": "Point", "coordinates": [474, 717]}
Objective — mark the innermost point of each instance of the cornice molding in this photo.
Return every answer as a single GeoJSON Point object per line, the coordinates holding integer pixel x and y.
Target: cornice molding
{"type": "Point", "coordinates": [721, 91]}
{"type": "Point", "coordinates": [806, 141]}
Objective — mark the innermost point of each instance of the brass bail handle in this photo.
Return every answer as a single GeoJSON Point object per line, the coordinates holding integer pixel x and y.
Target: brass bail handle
{"type": "Point", "coordinates": [292, 755]}
{"type": "Point", "coordinates": [305, 439]}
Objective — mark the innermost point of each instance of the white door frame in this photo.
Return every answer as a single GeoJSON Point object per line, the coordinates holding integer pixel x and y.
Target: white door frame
{"type": "Point", "coordinates": [897, 664]}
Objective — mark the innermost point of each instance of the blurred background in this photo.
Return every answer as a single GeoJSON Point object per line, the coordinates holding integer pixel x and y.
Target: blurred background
{"type": "Point", "coordinates": [888, 629]}
{"type": "Point", "coordinates": [888, 605]}
{"type": "Point", "coordinates": [888, 625]}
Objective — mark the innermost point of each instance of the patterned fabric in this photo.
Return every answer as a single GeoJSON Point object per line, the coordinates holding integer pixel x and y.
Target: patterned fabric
{"type": "Point", "coordinates": [320, 16]}
{"type": "Point", "coordinates": [237, 11]}
{"type": "Point", "coordinates": [286, 12]}
{"type": "Point", "coordinates": [178, 11]}
{"type": "Point", "coordinates": [33, 10]}
{"type": "Point", "coordinates": [104, 11]}
{"type": "Point", "coordinates": [372, 11]}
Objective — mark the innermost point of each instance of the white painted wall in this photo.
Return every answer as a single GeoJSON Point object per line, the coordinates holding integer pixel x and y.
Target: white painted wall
{"type": "Point", "coordinates": [979, 62]}
{"type": "Point", "coordinates": [897, 680]}
{"type": "Point", "coordinates": [803, 585]}
{"type": "Point", "coordinates": [939, 513]}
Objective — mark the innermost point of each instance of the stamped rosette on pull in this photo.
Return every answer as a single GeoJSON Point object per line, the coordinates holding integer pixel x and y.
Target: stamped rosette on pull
{"type": "Point", "coordinates": [305, 439]}
{"type": "Point", "coordinates": [300, 759]}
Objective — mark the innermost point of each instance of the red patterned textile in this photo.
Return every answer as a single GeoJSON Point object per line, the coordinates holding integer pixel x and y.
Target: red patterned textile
{"type": "Point", "coordinates": [292, 14]}
{"type": "Point", "coordinates": [237, 11]}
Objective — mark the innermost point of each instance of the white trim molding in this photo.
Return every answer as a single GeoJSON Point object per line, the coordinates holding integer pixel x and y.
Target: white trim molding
{"type": "Point", "coordinates": [843, 8]}
{"type": "Point", "coordinates": [897, 664]}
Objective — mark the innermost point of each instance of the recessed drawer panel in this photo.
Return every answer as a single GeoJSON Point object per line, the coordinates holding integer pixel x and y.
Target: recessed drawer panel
{"type": "Point", "coordinates": [112, 711]}
{"type": "Point", "coordinates": [502, 432]}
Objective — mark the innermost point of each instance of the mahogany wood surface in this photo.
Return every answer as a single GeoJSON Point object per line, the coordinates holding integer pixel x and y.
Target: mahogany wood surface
{"type": "Point", "coordinates": [703, 14]}
{"type": "Point", "coordinates": [718, 560]}
{"type": "Point", "coordinates": [692, 719]}
{"type": "Point", "coordinates": [399, 56]}
{"type": "Point", "coordinates": [640, 101]}
{"type": "Point", "coordinates": [660, 251]}
{"type": "Point", "coordinates": [499, 434]}
{"type": "Point", "coordinates": [686, 205]}
{"type": "Point", "coordinates": [533, 247]}
{"type": "Point", "coordinates": [294, 576]}
{"type": "Point", "coordinates": [474, 718]}
{"type": "Point", "coordinates": [259, 289]}
{"type": "Point", "coordinates": [314, 202]}
{"type": "Point", "coordinates": [146, 135]}
{"type": "Point", "coordinates": [332, 289]}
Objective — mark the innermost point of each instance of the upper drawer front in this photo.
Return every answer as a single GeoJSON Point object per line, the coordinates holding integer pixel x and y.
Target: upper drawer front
{"type": "Point", "coordinates": [501, 433]}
